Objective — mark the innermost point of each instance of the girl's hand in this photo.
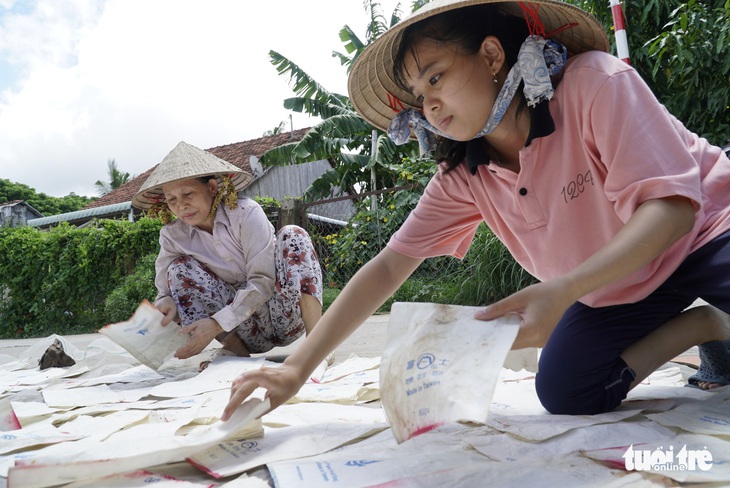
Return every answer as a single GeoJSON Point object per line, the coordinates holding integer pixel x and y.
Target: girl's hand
{"type": "Point", "coordinates": [167, 306]}
{"type": "Point", "coordinates": [201, 333]}
{"type": "Point", "coordinates": [540, 307]}
{"type": "Point", "coordinates": [281, 383]}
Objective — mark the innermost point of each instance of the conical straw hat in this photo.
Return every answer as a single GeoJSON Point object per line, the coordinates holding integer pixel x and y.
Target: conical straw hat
{"type": "Point", "coordinates": [182, 163]}
{"type": "Point", "coordinates": [376, 96]}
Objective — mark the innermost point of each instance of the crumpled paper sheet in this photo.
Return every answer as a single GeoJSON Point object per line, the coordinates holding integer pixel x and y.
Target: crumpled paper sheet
{"type": "Point", "coordinates": [144, 337]}
{"type": "Point", "coordinates": [280, 443]}
{"type": "Point", "coordinates": [310, 413]}
{"type": "Point", "coordinates": [136, 479]}
{"type": "Point", "coordinates": [711, 417]}
{"type": "Point", "coordinates": [21, 439]}
{"type": "Point", "coordinates": [718, 447]}
{"type": "Point", "coordinates": [441, 365]}
{"type": "Point", "coordinates": [559, 460]}
{"type": "Point", "coordinates": [219, 375]}
{"type": "Point", "coordinates": [565, 458]}
{"type": "Point", "coordinates": [129, 452]}
{"type": "Point", "coordinates": [140, 433]}
{"type": "Point", "coordinates": [354, 366]}
{"type": "Point", "coordinates": [537, 428]}
{"type": "Point", "coordinates": [441, 457]}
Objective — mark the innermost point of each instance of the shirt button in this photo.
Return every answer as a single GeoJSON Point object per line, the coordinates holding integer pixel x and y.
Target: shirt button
{"type": "Point", "coordinates": [523, 191]}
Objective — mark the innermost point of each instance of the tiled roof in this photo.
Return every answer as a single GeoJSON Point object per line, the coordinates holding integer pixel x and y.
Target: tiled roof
{"type": "Point", "coordinates": [237, 154]}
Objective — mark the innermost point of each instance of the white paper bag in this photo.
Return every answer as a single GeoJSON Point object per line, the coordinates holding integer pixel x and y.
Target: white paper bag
{"type": "Point", "coordinates": [440, 365]}
{"type": "Point", "coordinates": [145, 338]}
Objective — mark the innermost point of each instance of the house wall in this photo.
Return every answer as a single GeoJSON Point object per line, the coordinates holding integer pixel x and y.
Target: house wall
{"type": "Point", "coordinates": [280, 182]}
{"type": "Point", "coordinates": [15, 215]}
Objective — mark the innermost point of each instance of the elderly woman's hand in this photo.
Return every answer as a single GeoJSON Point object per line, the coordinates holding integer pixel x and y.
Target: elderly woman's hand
{"type": "Point", "coordinates": [201, 333]}
{"type": "Point", "coordinates": [167, 306]}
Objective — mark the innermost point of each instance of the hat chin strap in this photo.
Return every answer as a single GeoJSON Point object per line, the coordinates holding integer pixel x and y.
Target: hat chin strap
{"type": "Point", "coordinates": [537, 60]}
{"type": "Point", "coordinates": [227, 191]}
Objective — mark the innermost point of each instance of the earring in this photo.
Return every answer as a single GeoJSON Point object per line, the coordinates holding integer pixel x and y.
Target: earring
{"type": "Point", "coordinates": [495, 77]}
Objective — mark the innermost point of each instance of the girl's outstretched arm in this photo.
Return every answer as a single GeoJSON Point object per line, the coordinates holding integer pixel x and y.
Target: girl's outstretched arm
{"type": "Point", "coordinates": [371, 286]}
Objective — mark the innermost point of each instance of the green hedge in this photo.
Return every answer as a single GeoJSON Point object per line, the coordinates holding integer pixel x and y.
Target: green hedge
{"type": "Point", "coordinates": [70, 281]}
{"type": "Point", "coordinates": [58, 281]}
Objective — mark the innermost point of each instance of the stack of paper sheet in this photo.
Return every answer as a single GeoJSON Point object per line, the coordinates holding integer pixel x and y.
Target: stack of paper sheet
{"type": "Point", "coordinates": [110, 421]}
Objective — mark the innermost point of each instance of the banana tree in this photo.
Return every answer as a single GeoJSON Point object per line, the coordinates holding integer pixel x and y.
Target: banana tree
{"type": "Point", "coordinates": [342, 137]}
{"type": "Point", "coordinates": [116, 179]}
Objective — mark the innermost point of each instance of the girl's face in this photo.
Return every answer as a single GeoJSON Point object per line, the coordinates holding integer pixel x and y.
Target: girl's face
{"type": "Point", "coordinates": [457, 90]}
{"type": "Point", "coordinates": [191, 200]}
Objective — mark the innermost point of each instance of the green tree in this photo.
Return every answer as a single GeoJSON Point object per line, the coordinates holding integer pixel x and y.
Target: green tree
{"type": "Point", "coordinates": [116, 179]}
{"type": "Point", "coordinates": [45, 204]}
{"type": "Point", "coordinates": [680, 48]}
{"type": "Point", "coordinates": [10, 191]}
{"type": "Point", "coordinates": [73, 202]}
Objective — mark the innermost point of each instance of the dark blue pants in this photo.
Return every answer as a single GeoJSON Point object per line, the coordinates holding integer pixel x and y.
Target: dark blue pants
{"type": "Point", "coordinates": [580, 371]}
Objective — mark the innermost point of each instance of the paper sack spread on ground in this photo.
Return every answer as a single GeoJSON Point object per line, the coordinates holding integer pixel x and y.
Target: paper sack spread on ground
{"type": "Point", "coordinates": [144, 337]}
{"type": "Point", "coordinates": [428, 375]}
{"type": "Point", "coordinates": [163, 426]}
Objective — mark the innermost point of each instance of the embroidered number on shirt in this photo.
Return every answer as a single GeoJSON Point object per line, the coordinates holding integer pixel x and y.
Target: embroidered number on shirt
{"type": "Point", "coordinates": [573, 189]}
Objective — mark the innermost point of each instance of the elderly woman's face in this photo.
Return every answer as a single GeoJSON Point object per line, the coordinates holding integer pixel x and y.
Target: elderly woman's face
{"type": "Point", "coordinates": [190, 200]}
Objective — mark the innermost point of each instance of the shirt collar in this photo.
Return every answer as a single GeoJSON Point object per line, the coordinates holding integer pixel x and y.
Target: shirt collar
{"type": "Point", "coordinates": [541, 125]}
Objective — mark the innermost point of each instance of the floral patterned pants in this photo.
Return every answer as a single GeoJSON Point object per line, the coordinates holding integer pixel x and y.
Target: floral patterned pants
{"type": "Point", "coordinates": [199, 293]}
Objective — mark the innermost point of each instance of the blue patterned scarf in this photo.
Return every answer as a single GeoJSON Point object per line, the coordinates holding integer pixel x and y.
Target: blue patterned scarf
{"type": "Point", "coordinates": [537, 60]}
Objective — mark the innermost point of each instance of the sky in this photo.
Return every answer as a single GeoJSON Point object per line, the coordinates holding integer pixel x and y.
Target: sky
{"type": "Point", "coordinates": [86, 81]}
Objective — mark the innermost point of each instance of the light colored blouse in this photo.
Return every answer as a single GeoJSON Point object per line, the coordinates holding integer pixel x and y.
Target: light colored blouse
{"type": "Point", "coordinates": [240, 251]}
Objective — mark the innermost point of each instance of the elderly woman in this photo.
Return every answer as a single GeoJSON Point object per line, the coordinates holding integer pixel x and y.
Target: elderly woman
{"type": "Point", "coordinates": [222, 270]}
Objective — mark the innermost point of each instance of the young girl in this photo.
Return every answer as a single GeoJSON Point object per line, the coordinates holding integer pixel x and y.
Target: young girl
{"type": "Point", "coordinates": [620, 211]}
{"type": "Point", "coordinates": [221, 269]}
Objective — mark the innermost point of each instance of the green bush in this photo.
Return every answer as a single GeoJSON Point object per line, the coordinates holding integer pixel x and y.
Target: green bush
{"type": "Point", "coordinates": [488, 273]}
{"type": "Point", "coordinates": [328, 296]}
{"type": "Point", "coordinates": [140, 285]}
{"type": "Point", "coordinates": [370, 228]}
{"type": "Point", "coordinates": [57, 281]}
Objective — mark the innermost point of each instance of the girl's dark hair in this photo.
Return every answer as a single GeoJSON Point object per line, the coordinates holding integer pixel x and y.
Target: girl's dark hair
{"type": "Point", "coordinates": [465, 29]}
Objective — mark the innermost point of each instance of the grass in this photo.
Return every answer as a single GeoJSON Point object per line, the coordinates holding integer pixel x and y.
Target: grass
{"type": "Point", "coordinates": [488, 273]}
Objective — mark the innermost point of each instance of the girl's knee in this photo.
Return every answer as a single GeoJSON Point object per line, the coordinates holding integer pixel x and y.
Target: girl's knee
{"type": "Point", "coordinates": [561, 398]}
{"type": "Point", "coordinates": [584, 394]}
{"type": "Point", "coordinates": [554, 394]}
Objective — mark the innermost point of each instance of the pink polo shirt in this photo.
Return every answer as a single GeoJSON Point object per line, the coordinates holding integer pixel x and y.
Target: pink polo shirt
{"type": "Point", "coordinates": [240, 251]}
{"type": "Point", "coordinates": [614, 147]}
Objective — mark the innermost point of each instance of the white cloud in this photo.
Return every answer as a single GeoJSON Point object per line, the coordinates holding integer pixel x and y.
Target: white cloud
{"type": "Point", "coordinates": [94, 80]}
